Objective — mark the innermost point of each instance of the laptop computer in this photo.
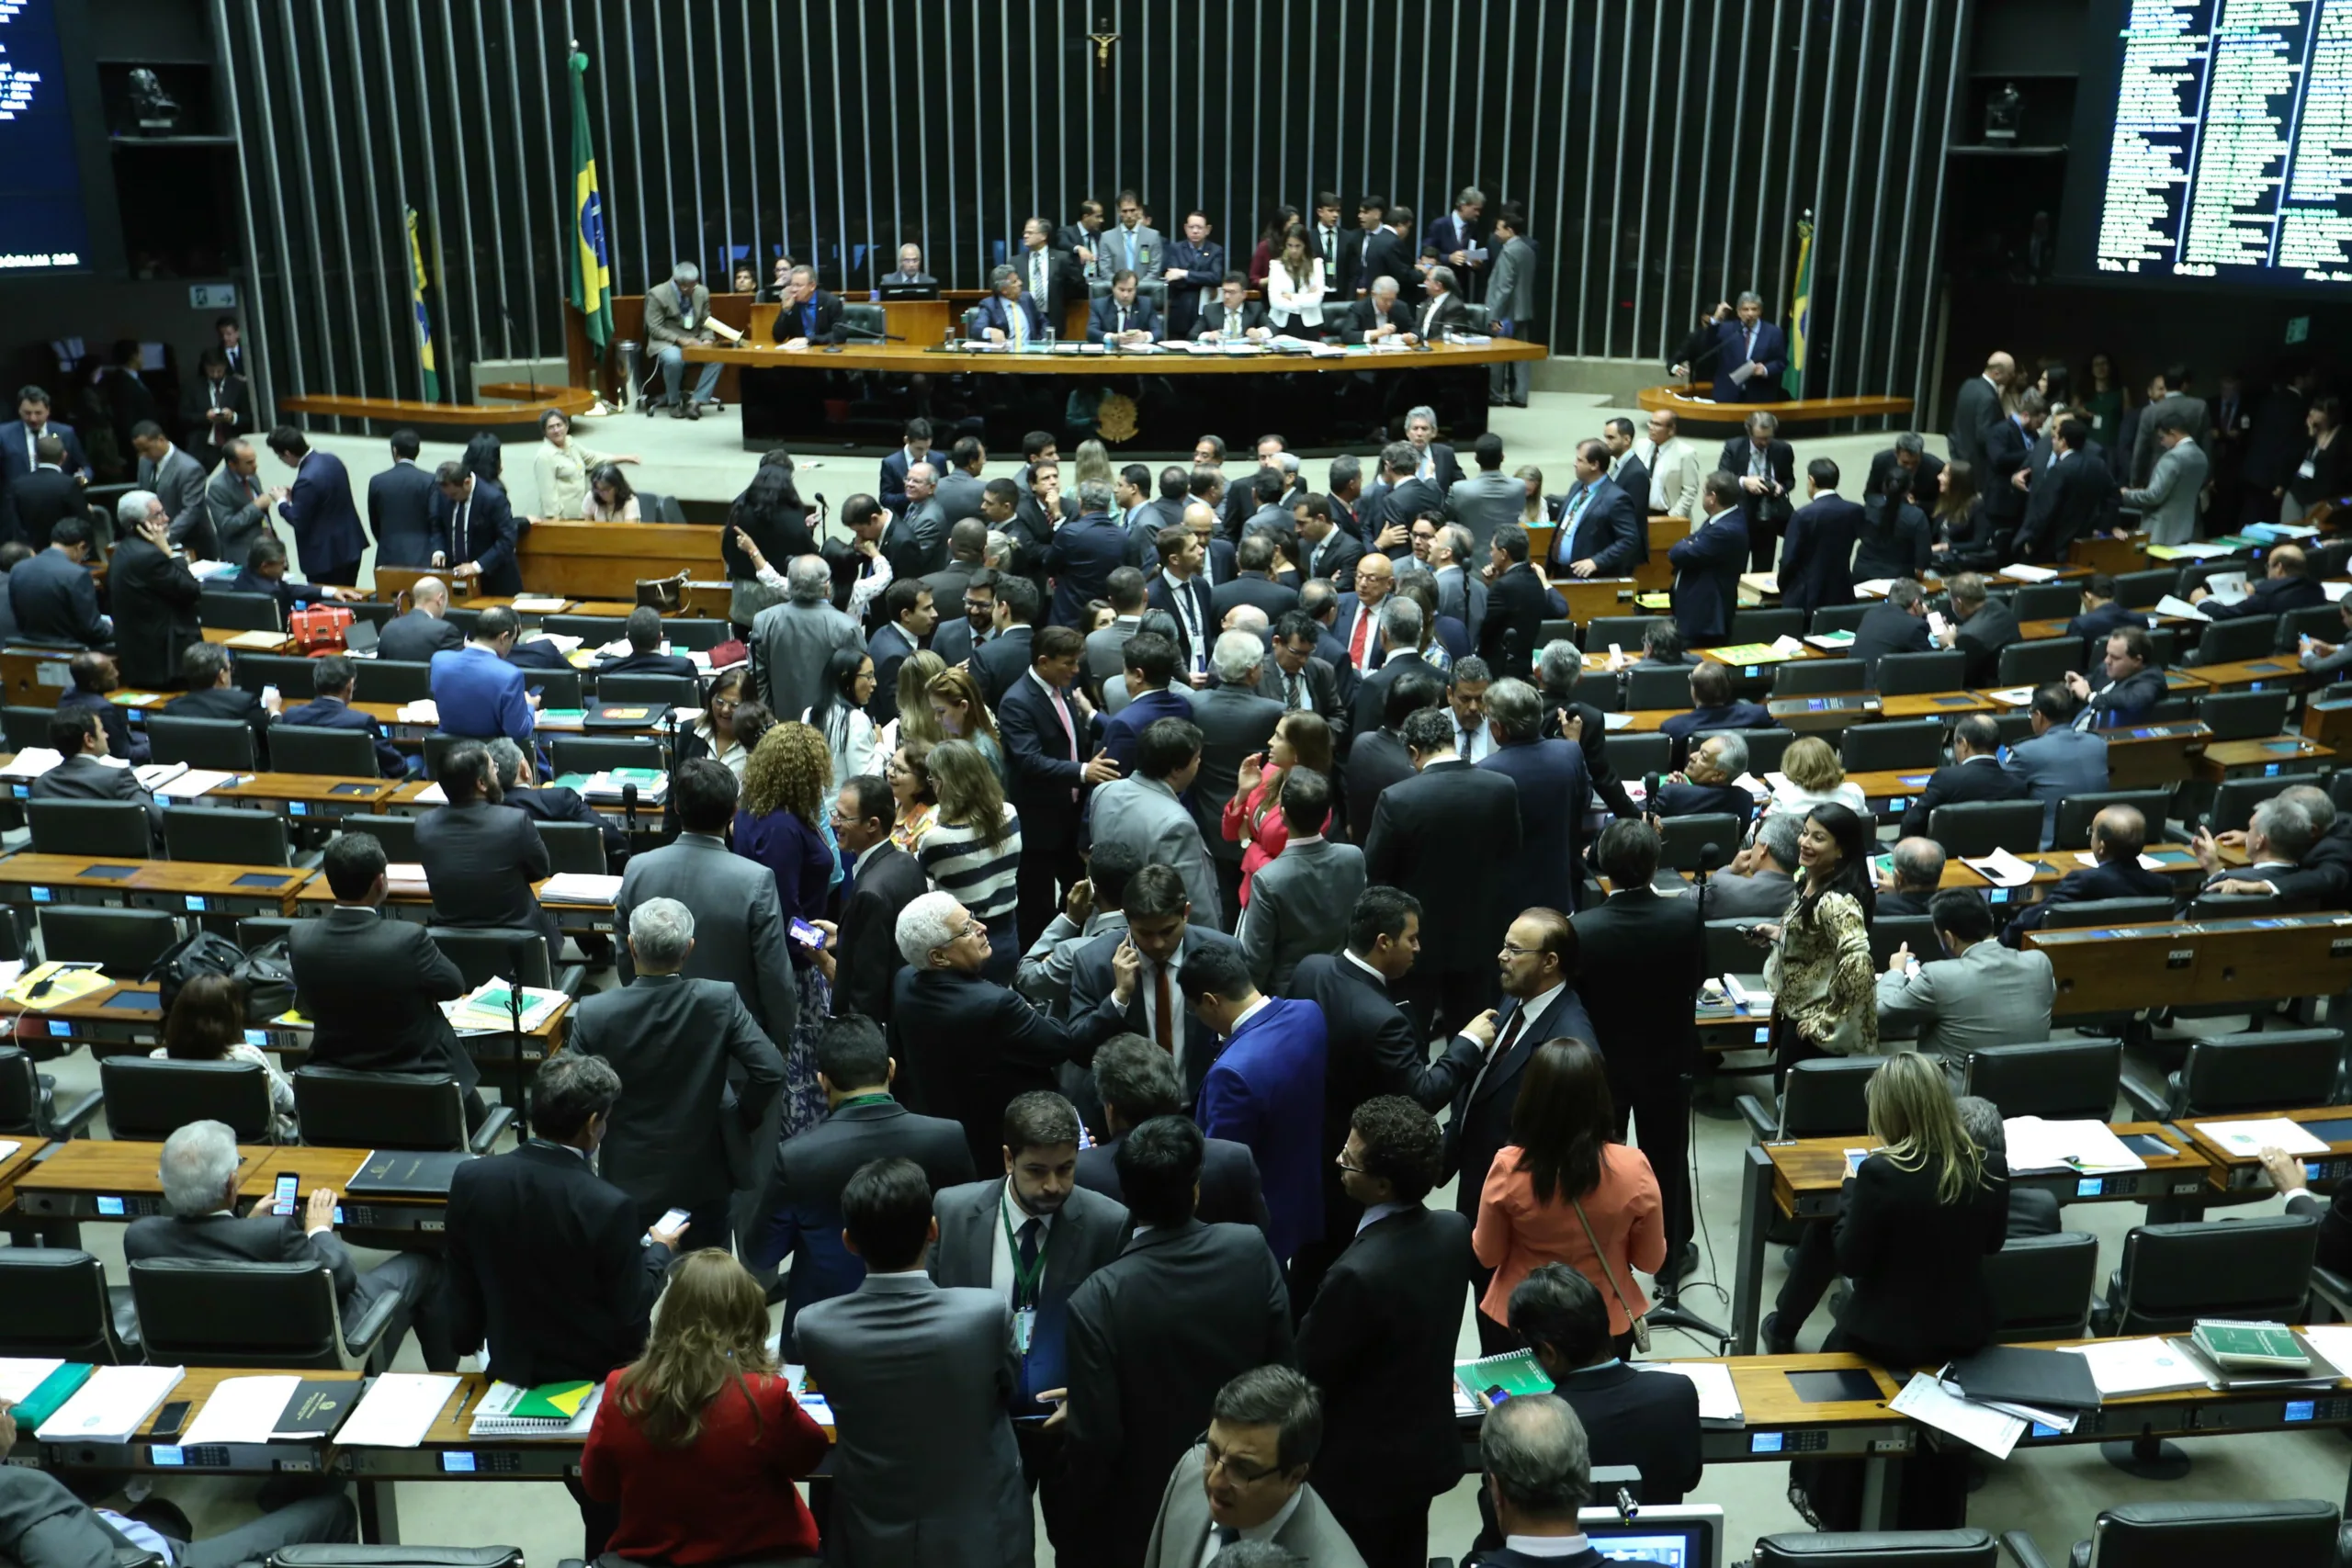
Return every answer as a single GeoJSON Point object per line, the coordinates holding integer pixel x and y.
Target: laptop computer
{"type": "Point", "coordinates": [887, 291]}
{"type": "Point", "coordinates": [361, 637]}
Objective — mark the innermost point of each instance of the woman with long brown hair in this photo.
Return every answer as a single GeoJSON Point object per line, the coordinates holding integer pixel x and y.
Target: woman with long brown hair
{"type": "Point", "coordinates": [1253, 818]}
{"type": "Point", "coordinates": [974, 848]}
{"type": "Point", "coordinates": [206, 1024]}
{"type": "Point", "coordinates": [1564, 1190]}
{"type": "Point", "coordinates": [908, 776]}
{"type": "Point", "coordinates": [700, 1440]}
{"type": "Point", "coordinates": [961, 713]}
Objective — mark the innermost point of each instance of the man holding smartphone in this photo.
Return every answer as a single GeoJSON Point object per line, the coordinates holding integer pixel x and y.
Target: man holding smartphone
{"type": "Point", "coordinates": [199, 1176]}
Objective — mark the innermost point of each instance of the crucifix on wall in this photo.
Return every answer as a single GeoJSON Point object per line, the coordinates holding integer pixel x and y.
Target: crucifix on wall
{"type": "Point", "coordinates": [1102, 38]}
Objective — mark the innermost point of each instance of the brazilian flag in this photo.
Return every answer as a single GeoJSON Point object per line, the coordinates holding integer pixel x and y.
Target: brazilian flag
{"type": "Point", "coordinates": [423, 321]}
{"type": "Point", "coordinates": [590, 272]}
{"type": "Point", "coordinates": [1801, 313]}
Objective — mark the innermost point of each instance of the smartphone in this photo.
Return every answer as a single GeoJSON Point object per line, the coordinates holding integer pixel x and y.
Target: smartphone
{"type": "Point", "coordinates": [169, 1420]}
{"type": "Point", "coordinates": [288, 1195]}
{"type": "Point", "coordinates": [806, 934]}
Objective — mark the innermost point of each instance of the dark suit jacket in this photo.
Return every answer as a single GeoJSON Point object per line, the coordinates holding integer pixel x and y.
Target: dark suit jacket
{"type": "Point", "coordinates": [400, 505]}
{"type": "Point", "coordinates": [490, 537]}
{"type": "Point", "coordinates": [2110, 879]}
{"type": "Point", "coordinates": [42, 498]}
{"type": "Point", "coordinates": [1480, 1124]}
{"type": "Point", "coordinates": [1087, 1233]}
{"type": "Point", "coordinates": [1230, 1191]}
{"type": "Point", "coordinates": [1265, 1090]}
{"type": "Point", "coordinates": [1380, 1337]}
{"type": "Point", "coordinates": [544, 1262]}
{"type": "Point", "coordinates": [1095, 1014]}
{"type": "Point", "coordinates": [371, 986]}
{"type": "Point", "coordinates": [86, 778]}
{"type": "Point", "coordinates": [1707, 563]}
{"type": "Point", "coordinates": [1517, 603]}
{"type": "Point", "coordinates": [2072, 498]}
{"type": "Point", "coordinates": [1103, 318]}
{"type": "Point", "coordinates": [1372, 697]}
{"type": "Point", "coordinates": [1337, 557]}
{"type": "Point", "coordinates": [1036, 756]}
{"type": "Point", "coordinates": [967, 1048]}
{"type": "Point", "coordinates": [1363, 317]}
{"type": "Point", "coordinates": [154, 601]}
{"type": "Point", "coordinates": [1400, 505]}
{"type": "Point", "coordinates": [415, 637]}
{"type": "Point", "coordinates": [1982, 636]}
{"type": "Point", "coordinates": [1253, 588]}
{"type": "Point", "coordinates": [1885, 629]}
{"type": "Point", "coordinates": [1211, 318]}
{"type": "Point", "coordinates": [1643, 1031]}
{"type": "Point", "coordinates": [1980, 778]}
{"type": "Point", "coordinates": [224, 702]}
{"type": "Point", "coordinates": [2006, 451]}
{"type": "Point", "coordinates": [56, 600]}
{"type": "Point", "coordinates": [1376, 758]}
{"type": "Point", "coordinates": [994, 312]}
{"type": "Point", "coordinates": [867, 960]}
{"type": "Point", "coordinates": [1000, 661]}
{"type": "Point", "coordinates": [2269, 596]}
{"type": "Point", "coordinates": [1647, 1420]}
{"type": "Point", "coordinates": [2123, 701]}
{"type": "Point", "coordinates": [1770, 350]}
{"type": "Point", "coordinates": [259, 1237]}
{"type": "Point", "coordinates": [482, 861]}
{"type": "Point", "coordinates": [1153, 1335]}
{"type": "Point", "coordinates": [800, 1212]}
{"type": "Point", "coordinates": [319, 510]}
{"type": "Point", "coordinates": [790, 320]}
{"type": "Point", "coordinates": [1450, 837]}
{"type": "Point", "coordinates": [1896, 542]}
{"type": "Point", "coordinates": [2335, 1227]}
{"type": "Point", "coordinates": [1554, 791]}
{"type": "Point", "coordinates": [113, 720]}
{"type": "Point", "coordinates": [1085, 551]}
{"type": "Point", "coordinates": [649, 664]}
{"type": "Point", "coordinates": [1610, 532]}
{"type": "Point", "coordinates": [1816, 556]}
{"type": "Point", "coordinates": [2100, 623]}
{"type": "Point", "coordinates": [328, 713]}
{"type": "Point", "coordinates": [1158, 595]}
{"type": "Point", "coordinates": [16, 461]}
{"type": "Point", "coordinates": [1920, 1294]}
{"type": "Point", "coordinates": [1780, 462]}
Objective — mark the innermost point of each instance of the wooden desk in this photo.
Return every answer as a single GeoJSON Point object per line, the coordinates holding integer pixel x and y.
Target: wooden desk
{"type": "Point", "coordinates": [311, 796]}
{"type": "Point", "coordinates": [143, 1456]}
{"type": "Point", "coordinates": [2259, 758]}
{"type": "Point", "coordinates": [2328, 722]}
{"type": "Point", "coordinates": [35, 676]}
{"type": "Point", "coordinates": [29, 1150]}
{"type": "Point", "coordinates": [603, 560]}
{"type": "Point", "coordinates": [406, 904]}
{"type": "Point", "coordinates": [2229, 1171]}
{"type": "Point", "coordinates": [1829, 711]}
{"type": "Point", "coordinates": [180, 886]}
{"type": "Point", "coordinates": [1802, 1180]}
{"type": "Point", "coordinates": [2129, 969]}
{"type": "Point", "coordinates": [2279, 672]}
{"type": "Point", "coordinates": [907, 359]}
{"type": "Point", "coordinates": [222, 636]}
{"type": "Point", "coordinates": [2152, 756]}
{"type": "Point", "coordinates": [106, 1178]}
{"type": "Point", "coordinates": [2103, 552]}
{"type": "Point", "coordinates": [126, 1017]}
{"type": "Point", "coordinates": [2054, 630]}
{"type": "Point", "coordinates": [401, 800]}
{"type": "Point", "coordinates": [1699, 413]}
{"type": "Point", "coordinates": [1589, 598]}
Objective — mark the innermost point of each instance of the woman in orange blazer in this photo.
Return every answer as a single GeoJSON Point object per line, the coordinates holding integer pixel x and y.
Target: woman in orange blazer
{"type": "Point", "coordinates": [1563, 1191]}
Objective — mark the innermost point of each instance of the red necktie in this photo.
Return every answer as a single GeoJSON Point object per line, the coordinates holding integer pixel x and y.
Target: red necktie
{"type": "Point", "coordinates": [1163, 1023]}
{"type": "Point", "coordinates": [1356, 639]}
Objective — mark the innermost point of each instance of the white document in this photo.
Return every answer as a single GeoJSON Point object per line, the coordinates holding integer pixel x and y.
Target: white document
{"type": "Point", "coordinates": [2229, 587]}
{"type": "Point", "coordinates": [2031, 573]}
{"type": "Point", "coordinates": [2332, 1340]}
{"type": "Point", "coordinates": [406, 877]}
{"type": "Point", "coordinates": [397, 1410]}
{"type": "Point", "coordinates": [538, 604]}
{"type": "Point", "coordinates": [20, 1375]}
{"type": "Point", "coordinates": [1874, 588]}
{"type": "Point", "coordinates": [1923, 1400]}
{"type": "Point", "coordinates": [8, 1147]}
{"type": "Point", "coordinates": [2088, 1146]}
{"type": "Point", "coordinates": [1791, 645]}
{"type": "Point", "coordinates": [712, 323]}
{"type": "Point", "coordinates": [111, 1406]}
{"type": "Point", "coordinates": [155, 776]}
{"type": "Point", "coordinates": [1718, 1399]}
{"type": "Point", "coordinates": [1613, 721]}
{"type": "Point", "coordinates": [2012, 696]}
{"type": "Point", "coordinates": [195, 781]}
{"type": "Point", "coordinates": [2250, 1138]}
{"type": "Point", "coordinates": [31, 762]}
{"type": "Point", "coordinates": [2147, 862]}
{"type": "Point", "coordinates": [2335, 590]}
{"type": "Point", "coordinates": [242, 1410]}
{"type": "Point", "coordinates": [821, 1410]}
{"type": "Point", "coordinates": [424, 710]}
{"type": "Point", "coordinates": [2002, 869]}
{"type": "Point", "coordinates": [2170, 604]}
{"type": "Point", "coordinates": [2063, 1420]}
{"type": "Point", "coordinates": [2123, 1367]}
{"type": "Point", "coordinates": [580, 887]}
{"type": "Point", "coordinates": [433, 795]}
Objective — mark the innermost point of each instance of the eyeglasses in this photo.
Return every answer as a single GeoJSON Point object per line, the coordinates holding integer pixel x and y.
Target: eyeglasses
{"type": "Point", "coordinates": [1246, 1474]}
{"type": "Point", "coordinates": [1511, 949]}
{"type": "Point", "coordinates": [1341, 1160]}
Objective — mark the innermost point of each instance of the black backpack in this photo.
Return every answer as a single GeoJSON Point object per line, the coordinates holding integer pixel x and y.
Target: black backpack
{"type": "Point", "coordinates": [267, 975]}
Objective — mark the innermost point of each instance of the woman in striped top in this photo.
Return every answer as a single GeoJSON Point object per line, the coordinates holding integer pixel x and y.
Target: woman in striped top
{"type": "Point", "coordinates": [974, 850]}
{"type": "Point", "coordinates": [785, 787]}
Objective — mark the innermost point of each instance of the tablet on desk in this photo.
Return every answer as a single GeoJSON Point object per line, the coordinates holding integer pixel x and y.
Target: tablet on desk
{"type": "Point", "coordinates": [261, 879]}
{"type": "Point", "coordinates": [1842, 1384]}
{"type": "Point", "coordinates": [110, 872]}
{"type": "Point", "coordinates": [137, 1001]}
{"type": "Point", "coordinates": [352, 789]}
{"type": "Point", "coordinates": [1957, 700]}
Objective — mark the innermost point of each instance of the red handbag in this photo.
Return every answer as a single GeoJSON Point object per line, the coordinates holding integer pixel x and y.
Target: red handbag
{"type": "Point", "coordinates": [319, 628]}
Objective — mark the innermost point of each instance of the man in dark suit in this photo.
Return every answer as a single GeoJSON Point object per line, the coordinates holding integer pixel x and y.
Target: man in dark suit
{"type": "Point", "coordinates": [546, 1260]}
{"type": "Point", "coordinates": [1405, 495]}
{"type": "Point", "coordinates": [1235, 723]}
{"type": "Point", "coordinates": [1154, 1333]}
{"type": "Point", "coordinates": [1047, 274]}
{"type": "Point", "coordinates": [1126, 982]}
{"type": "Point", "coordinates": [2119, 834]}
{"type": "Point", "coordinates": [1134, 1081]}
{"type": "Point", "coordinates": [642, 631]}
{"type": "Point", "coordinates": [372, 987]}
{"type": "Point", "coordinates": [2034, 1211]}
{"type": "Point", "coordinates": [1896, 624]}
{"type": "Point", "coordinates": [1002, 661]}
{"type": "Point", "coordinates": [806, 315]}
{"type": "Point", "coordinates": [93, 674]}
{"type": "Point", "coordinates": [1380, 316]}
{"type": "Point", "coordinates": [971, 1046]}
{"type": "Point", "coordinates": [1355, 620]}
{"type": "Point", "coordinates": [2007, 442]}
{"type": "Point", "coordinates": [1922, 470]}
{"type": "Point", "coordinates": [1195, 264]}
{"type": "Point", "coordinates": [2131, 681]}
{"type": "Point", "coordinates": [1538, 1468]}
{"type": "Point", "coordinates": [41, 499]}
{"type": "Point", "coordinates": [1083, 554]}
{"type": "Point", "coordinates": [52, 594]}
{"type": "Point", "coordinates": [1976, 409]}
{"type": "Point", "coordinates": [204, 670]}
{"type": "Point", "coordinates": [1009, 314]}
{"type": "Point", "coordinates": [1915, 867]}
{"type": "Point", "coordinates": [1976, 774]}
{"type": "Point", "coordinates": [1712, 708]}
{"type": "Point", "coordinates": [2101, 616]}
{"type": "Point", "coordinates": [1818, 555]}
{"type": "Point", "coordinates": [1266, 1089]}
{"type": "Point", "coordinates": [481, 857]}
{"type": "Point", "coordinates": [1381, 1338]}
{"type": "Point", "coordinates": [915, 448]}
{"type": "Point", "coordinates": [1441, 309]}
{"type": "Point", "coordinates": [76, 735]}
{"type": "Point", "coordinates": [2074, 498]}
{"type": "Point", "coordinates": [1517, 603]}
{"type": "Point", "coordinates": [1122, 316]}
{"type": "Point", "coordinates": [1292, 676]}
{"type": "Point", "coordinates": [1982, 626]}
{"type": "Point", "coordinates": [399, 507]}
{"type": "Point", "coordinates": [331, 709]}
{"type": "Point", "coordinates": [414, 637]}
{"type": "Point", "coordinates": [200, 1167]}
{"type": "Point", "coordinates": [1708, 561]}
{"type": "Point", "coordinates": [1331, 551]}
{"type": "Point", "coordinates": [1181, 589]}
{"type": "Point", "coordinates": [1707, 784]}
{"type": "Point", "coordinates": [1051, 750]}
{"type": "Point", "coordinates": [1603, 532]}
{"type": "Point", "coordinates": [2286, 584]}
{"type": "Point", "coordinates": [1547, 873]}
{"type": "Point", "coordinates": [319, 509]}
{"type": "Point", "coordinates": [1644, 1032]}
{"type": "Point", "coordinates": [698, 1077]}
{"type": "Point", "coordinates": [1752, 354]}
{"type": "Point", "coordinates": [20, 438]}
{"type": "Point", "coordinates": [1399, 634]}
{"type": "Point", "coordinates": [884, 879]}
{"type": "Point", "coordinates": [1416, 844]}
{"type": "Point", "coordinates": [1253, 582]}
{"type": "Point", "coordinates": [1149, 670]}
{"type": "Point", "coordinates": [1377, 757]}
{"type": "Point", "coordinates": [1053, 1234]}
{"type": "Point", "coordinates": [473, 531]}
{"type": "Point", "coordinates": [1232, 316]}
{"type": "Point", "coordinates": [1764, 466]}
{"type": "Point", "coordinates": [1648, 1422]}
{"type": "Point", "coordinates": [799, 1212]}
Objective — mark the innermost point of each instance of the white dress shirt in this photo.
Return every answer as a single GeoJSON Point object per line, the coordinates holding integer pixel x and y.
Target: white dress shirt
{"type": "Point", "coordinates": [1211, 1545]}
{"type": "Point", "coordinates": [1001, 1253]}
{"type": "Point", "coordinates": [1548, 1545]}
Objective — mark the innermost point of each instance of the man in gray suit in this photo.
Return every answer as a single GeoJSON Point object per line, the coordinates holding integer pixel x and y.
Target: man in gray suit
{"type": "Point", "coordinates": [2167, 502]}
{"type": "Point", "coordinates": [791, 641]}
{"type": "Point", "coordinates": [682, 1135]}
{"type": "Point", "coordinates": [237, 503]}
{"type": "Point", "coordinates": [1983, 995]}
{"type": "Point", "coordinates": [178, 481]}
{"type": "Point", "coordinates": [677, 316]}
{"type": "Point", "coordinates": [1300, 901]}
{"type": "Point", "coordinates": [959, 484]}
{"type": "Point", "coordinates": [1029, 1238]}
{"type": "Point", "coordinates": [76, 735]}
{"type": "Point", "coordinates": [1762, 878]}
{"type": "Point", "coordinates": [1130, 246]}
{"type": "Point", "coordinates": [1511, 297]}
{"type": "Point", "coordinates": [920, 1378]}
{"type": "Point", "coordinates": [1267, 1423]}
{"type": "Point", "coordinates": [1978, 405]}
{"type": "Point", "coordinates": [2167, 395]}
{"type": "Point", "coordinates": [1145, 815]}
{"type": "Point", "coordinates": [2060, 760]}
{"type": "Point", "coordinates": [1488, 498]}
{"type": "Point", "coordinates": [739, 923]}
{"type": "Point", "coordinates": [1235, 723]}
{"type": "Point", "coordinates": [1460, 591]}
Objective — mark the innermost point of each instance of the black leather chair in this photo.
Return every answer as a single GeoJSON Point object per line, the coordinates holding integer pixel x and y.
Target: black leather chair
{"type": "Point", "coordinates": [88, 828]}
{"type": "Point", "coordinates": [60, 1305]}
{"type": "Point", "coordinates": [294, 676]}
{"type": "Point", "coordinates": [2324, 622]}
{"type": "Point", "coordinates": [2226, 1075]}
{"type": "Point", "coordinates": [342, 1108]}
{"type": "Point", "coordinates": [1657, 688]}
{"type": "Point", "coordinates": [26, 727]}
{"type": "Point", "coordinates": [1683, 839]}
{"type": "Point", "coordinates": [574, 846]}
{"type": "Point", "coordinates": [1915, 931]}
{"type": "Point", "coordinates": [684, 691]}
{"type": "Point", "coordinates": [225, 743]}
{"type": "Point", "coordinates": [2047, 601]}
{"type": "Point", "coordinates": [1766, 747]}
{"type": "Point", "coordinates": [557, 688]}
{"type": "Point", "coordinates": [2040, 662]}
{"type": "Point", "coordinates": [1821, 1099]}
{"type": "Point", "coordinates": [1908, 674]}
{"type": "Point", "coordinates": [484, 954]}
{"type": "Point", "coordinates": [124, 942]}
{"type": "Point", "coordinates": [593, 753]}
{"type": "Point", "coordinates": [2075, 813]}
{"type": "Point", "coordinates": [1839, 617]}
{"type": "Point", "coordinates": [227, 838]}
{"type": "Point", "coordinates": [1980, 827]}
{"type": "Point", "coordinates": [1877, 1549]}
{"type": "Point", "coordinates": [314, 748]}
{"type": "Point", "coordinates": [1635, 755]}
{"type": "Point", "coordinates": [396, 834]}
{"type": "Point", "coordinates": [1818, 677]}
{"type": "Point", "coordinates": [2062, 1080]}
{"type": "Point", "coordinates": [1625, 631]}
{"type": "Point", "coordinates": [2174, 1274]}
{"type": "Point", "coordinates": [392, 679]}
{"type": "Point", "coordinates": [153, 1098]}
{"type": "Point", "coordinates": [2292, 1533]}
{"type": "Point", "coordinates": [1766, 626]}
{"type": "Point", "coordinates": [2086, 913]}
{"type": "Point", "coordinates": [2141, 590]}
{"type": "Point", "coordinates": [696, 634]}
{"type": "Point", "coordinates": [2234, 801]}
{"type": "Point", "coordinates": [1906, 743]}
{"type": "Point", "coordinates": [594, 630]}
{"type": "Point", "coordinates": [2226, 642]}
{"type": "Point", "coordinates": [208, 1313]}
{"type": "Point", "coordinates": [220, 609]}
{"type": "Point", "coordinates": [2043, 1286]}
{"type": "Point", "coordinates": [29, 1103]}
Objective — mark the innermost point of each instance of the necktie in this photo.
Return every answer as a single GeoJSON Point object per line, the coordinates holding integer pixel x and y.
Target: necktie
{"type": "Point", "coordinates": [1018, 320]}
{"type": "Point", "coordinates": [1226, 1535]}
{"type": "Point", "coordinates": [1123, 321]}
{"type": "Point", "coordinates": [1512, 1032]}
{"type": "Point", "coordinates": [1747, 340]}
{"type": "Point", "coordinates": [1356, 639]}
{"type": "Point", "coordinates": [458, 541]}
{"type": "Point", "coordinates": [1069, 728]}
{"type": "Point", "coordinates": [1163, 1021]}
{"type": "Point", "coordinates": [1032, 1231]}
{"type": "Point", "coordinates": [1131, 249]}
{"type": "Point", "coordinates": [1297, 691]}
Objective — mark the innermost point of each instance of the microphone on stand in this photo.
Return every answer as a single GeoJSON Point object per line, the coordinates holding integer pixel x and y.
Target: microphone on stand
{"type": "Point", "coordinates": [629, 808]}
{"type": "Point", "coordinates": [1668, 1313]}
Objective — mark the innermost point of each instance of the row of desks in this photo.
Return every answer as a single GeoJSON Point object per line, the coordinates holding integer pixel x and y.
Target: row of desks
{"type": "Point", "coordinates": [207, 887]}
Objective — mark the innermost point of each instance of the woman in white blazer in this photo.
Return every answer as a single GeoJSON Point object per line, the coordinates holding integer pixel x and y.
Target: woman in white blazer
{"type": "Point", "coordinates": [1295, 284]}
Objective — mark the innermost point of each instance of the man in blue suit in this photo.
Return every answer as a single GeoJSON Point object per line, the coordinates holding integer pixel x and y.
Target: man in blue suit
{"type": "Point", "coordinates": [1083, 554]}
{"type": "Point", "coordinates": [473, 530]}
{"type": "Point", "coordinates": [319, 510]}
{"type": "Point", "coordinates": [1122, 315]}
{"type": "Point", "coordinates": [1008, 314]}
{"type": "Point", "coordinates": [479, 693]}
{"type": "Point", "coordinates": [1554, 787]}
{"type": "Point", "coordinates": [2060, 760]}
{"type": "Point", "coordinates": [1265, 1089]}
{"type": "Point", "coordinates": [399, 507]}
{"type": "Point", "coordinates": [1602, 532]}
{"type": "Point", "coordinates": [1817, 556]}
{"type": "Point", "coordinates": [1707, 564]}
{"type": "Point", "coordinates": [1181, 588]}
{"type": "Point", "coordinates": [1751, 352]}
{"type": "Point", "coordinates": [1150, 662]}
{"type": "Point", "coordinates": [332, 709]}
{"type": "Point", "coordinates": [32, 423]}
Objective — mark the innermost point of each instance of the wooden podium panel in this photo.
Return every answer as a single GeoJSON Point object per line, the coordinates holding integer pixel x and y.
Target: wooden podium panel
{"type": "Point", "coordinates": [603, 560]}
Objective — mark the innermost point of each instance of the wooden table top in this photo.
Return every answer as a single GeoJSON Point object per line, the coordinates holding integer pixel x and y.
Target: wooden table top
{"type": "Point", "coordinates": [1818, 1165]}
{"type": "Point", "coordinates": [1692, 409]}
{"type": "Point", "coordinates": [316, 894]}
{"type": "Point", "coordinates": [2221, 755]}
{"type": "Point", "coordinates": [27, 868]}
{"type": "Point", "coordinates": [2276, 670]}
{"type": "Point", "coordinates": [115, 1166]}
{"type": "Point", "coordinates": [908, 358]}
{"type": "Point", "coordinates": [316, 789]}
{"type": "Point", "coordinates": [28, 1150]}
{"type": "Point", "coordinates": [2264, 958]}
{"type": "Point", "coordinates": [2225, 1158]}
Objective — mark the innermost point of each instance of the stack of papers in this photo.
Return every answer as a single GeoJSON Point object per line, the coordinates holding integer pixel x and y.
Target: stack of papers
{"type": "Point", "coordinates": [2012, 696]}
{"type": "Point", "coordinates": [1929, 1402]}
{"type": "Point", "coordinates": [551, 1410]}
{"type": "Point", "coordinates": [652, 784]}
{"type": "Point", "coordinates": [486, 1007]}
{"type": "Point", "coordinates": [2002, 869]}
{"type": "Point", "coordinates": [64, 982]}
{"type": "Point", "coordinates": [580, 887]}
{"type": "Point", "coordinates": [2122, 1368]}
{"type": "Point", "coordinates": [406, 877]}
{"type": "Point", "coordinates": [2031, 573]}
{"type": "Point", "coordinates": [2250, 1138]}
{"type": "Point", "coordinates": [2180, 608]}
{"type": "Point", "coordinates": [1748, 991]}
{"type": "Point", "coordinates": [537, 604]}
{"type": "Point", "coordinates": [1718, 1400]}
{"type": "Point", "coordinates": [30, 763]}
{"type": "Point", "coordinates": [424, 710]}
{"type": "Point", "coordinates": [1874, 588]}
{"type": "Point", "coordinates": [242, 1410]}
{"type": "Point", "coordinates": [193, 782]}
{"type": "Point", "coordinates": [260, 642]}
{"type": "Point", "coordinates": [154, 775]}
{"type": "Point", "coordinates": [803, 1389]}
{"type": "Point", "coordinates": [2147, 862]}
{"type": "Point", "coordinates": [397, 1411]}
{"type": "Point", "coordinates": [432, 795]}
{"type": "Point", "coordinates": [2088, 1146]}
{"type": "Point", "coordinates": [111, 1406]}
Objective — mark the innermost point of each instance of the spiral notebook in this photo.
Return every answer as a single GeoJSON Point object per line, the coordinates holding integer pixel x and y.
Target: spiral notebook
{"type": "Point", "coordinates": [550, 1410]}
{"type": "Point", "coordinates": [1486, 1382]}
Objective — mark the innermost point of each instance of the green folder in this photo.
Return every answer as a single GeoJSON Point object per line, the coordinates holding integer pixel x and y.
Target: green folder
{"type": "Point", "coordinates": [551, 1402]}
{"type": "Point", "coordinates": [55, 1389]}
{"type": "Point", "coordinates": [1516, 1374]}
{"type": "Point", "coordinates": [2240, 1346]}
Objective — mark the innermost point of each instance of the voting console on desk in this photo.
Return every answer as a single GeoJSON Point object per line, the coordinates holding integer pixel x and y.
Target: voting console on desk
{"type": "Point", "coordinates": [2198, 1412]}
{"type": "Point", "coordinates": [1825, 1407]}
{"type": "Point", "coordinates": [2234, 1171]}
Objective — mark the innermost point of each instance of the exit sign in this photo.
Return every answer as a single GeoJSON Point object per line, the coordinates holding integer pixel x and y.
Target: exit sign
{"type": "Point", "coordinates": [211, 296]}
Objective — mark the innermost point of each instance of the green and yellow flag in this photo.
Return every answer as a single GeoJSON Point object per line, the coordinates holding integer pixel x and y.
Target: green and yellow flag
{"type": "Point", "coordinates": [1801, 313]}
{"type": "Point", "coordinates": [592, 274]}
{"type": "Point", "coordinates": [423, 321]}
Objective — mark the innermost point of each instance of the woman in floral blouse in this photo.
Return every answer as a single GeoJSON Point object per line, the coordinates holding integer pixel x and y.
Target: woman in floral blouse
{"type": "Point", "coordinates": [1824, 996]}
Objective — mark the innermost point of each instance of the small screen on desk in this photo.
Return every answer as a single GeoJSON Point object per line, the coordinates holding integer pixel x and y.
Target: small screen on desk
{"type": "Point", "coordinates": [1958, 700]}
{"type": "Point", "coordinates": [258, 1037]}
{"type": "Point", "coordinates": [352, 789]}
{"type": "Point", "coordinates": [44, 895]}
{"type": "Point", "coordinates": [112, 1206]}
{"type": "Point", "coordinates": [1643, 1543]}
{"type": "Point", "coordinates": [2284, 748]}
{"type": "Point", "coordinates": [2335, 1130]}
{"type": "Point", "coordinates": [260, 879]}
{"type": "Point", "coordinates": [195, 903]}
{"type": "Point", "coordinates": [2044, 1429]}
{"type": "Point", "coordinates": [2301, 1409]}
{"type": "Point", "coordinates": [1754, 670]}
{"type": "Point", "coordinates": [110, 872]}
{"type": "Point", "coordinates": [298, 808]}
{"type": "Point", "coordinates": [169, 1453]}
{"type": "Point", "coordinates": [457, 1462]}
{"type": "Point", "coordinates": [1764, 1443]}
{"type": "Point", "coordinates": [2144, 1144]}
{"type": "Point", "coordinates": [2270, 770]}
{"type": "Point", "coordinates": [2090, 1186]}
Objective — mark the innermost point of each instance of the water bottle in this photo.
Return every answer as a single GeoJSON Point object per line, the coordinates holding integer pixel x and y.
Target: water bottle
{"type": "Point", "coordinates": [1049, 339]}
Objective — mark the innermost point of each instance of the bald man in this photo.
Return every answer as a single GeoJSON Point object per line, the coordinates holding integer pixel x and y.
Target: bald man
{"type": "Point", "coordinates": [1359, 627]}
{"type": "Point", "coordinates": [416, 636]}
{"type": "Point", "coordinates": [2118, 835]}
{"type": "Point", "coordinates": [1978, 405]}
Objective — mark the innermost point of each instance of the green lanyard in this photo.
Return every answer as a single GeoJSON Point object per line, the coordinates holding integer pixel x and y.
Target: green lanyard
{"type": "Point", "coordinates": [882, 1098]}
{"type": "Point", "coordinates": [1025, 1280]}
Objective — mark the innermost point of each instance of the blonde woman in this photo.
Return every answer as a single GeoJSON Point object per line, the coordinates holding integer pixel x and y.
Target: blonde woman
{"type": "Point", "coordinates": [914, 720]}
{"type": "Point", "coordinates": [1294, 283]}
{"type": "Point", "coordinates": [1811, 776]}
{"type": "Point", "coordinates": [700, 1440]}
{"type": "Point", "coordinates": [561, 466]}
{"type": "Point", "coordinates": [974, 848]}
{"type": "Point", "coordinates": [1535, 511]}
{"type": "Point", "coordinates": [780, 822]}
{"type": "Point", "coordinates": [908, 776]}
{"type": "Point", "coordinates": [962, 714]}
{"type": "Point", "coordinates": [1093, 462]}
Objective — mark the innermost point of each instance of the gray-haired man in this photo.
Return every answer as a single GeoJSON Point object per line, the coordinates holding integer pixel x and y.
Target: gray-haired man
{"type": "Point", "coordinates": [677, 315]}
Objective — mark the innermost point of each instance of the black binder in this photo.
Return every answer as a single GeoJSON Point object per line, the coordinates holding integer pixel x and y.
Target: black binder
{"type": "Point", "coordinates": [2007, 1374]}
{"type": "Point", "coordinates": [407, 1173]}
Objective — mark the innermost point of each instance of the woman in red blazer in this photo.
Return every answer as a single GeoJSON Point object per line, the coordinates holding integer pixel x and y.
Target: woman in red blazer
{"type": "Point", "coordinates": [700, 1440]}
{"type": "Point", "coordinates": [1563, 1191]}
